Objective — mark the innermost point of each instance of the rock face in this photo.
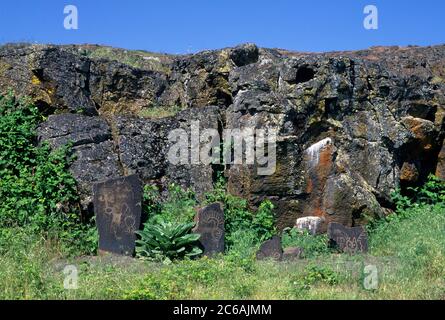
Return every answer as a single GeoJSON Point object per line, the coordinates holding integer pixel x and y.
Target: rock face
{"type": "Point", "coordinates": [440, 170]}
{"type": "Point", "coordinates": [352, 126]}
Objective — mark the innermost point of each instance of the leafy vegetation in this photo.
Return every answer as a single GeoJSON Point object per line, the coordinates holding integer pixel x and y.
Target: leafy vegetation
{"type": "Point", "coordinates": [176, 205]}
{"type": "Point", "coordinates": [36, 188]}
{"type": "Point", "coordinates": [432, 192]}
{"type": "Point", "coordinates": [312, 275]}
{"type": "Point", "coordinates": [312, 245]}
{"type": "Point", "coordinates": [167, 233]}
{"type": "Point", "coordinates": [166, 241]}
{"type": "Point", "coordinates": [238, 217]}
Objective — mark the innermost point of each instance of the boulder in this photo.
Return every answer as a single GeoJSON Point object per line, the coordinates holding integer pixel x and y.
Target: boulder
{"type": "Point", "coordinates": [310, 224]}
{"type": "Point", "coordinates": [271, 249]}
{"type": "Point", "coordinates": [350, 240]}
{"type": "Point", "coordinates": [293, 253]}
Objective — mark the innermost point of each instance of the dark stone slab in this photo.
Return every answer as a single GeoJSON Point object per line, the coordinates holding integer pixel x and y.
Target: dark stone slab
{"type": "Point", "coordinates": [293, 253]}
{"type": "Point", "coordinates": [271, 249]}
{"type": "Point", "coordinates": [349, 240]}
{"type": "Point", "coordinates": [210, 225]}
{"type": "Point", "coordinates": [117, 205]}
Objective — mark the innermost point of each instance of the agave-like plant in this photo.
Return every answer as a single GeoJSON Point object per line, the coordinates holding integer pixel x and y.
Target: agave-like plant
{"type": "Point", "coordinates": [166, 241]}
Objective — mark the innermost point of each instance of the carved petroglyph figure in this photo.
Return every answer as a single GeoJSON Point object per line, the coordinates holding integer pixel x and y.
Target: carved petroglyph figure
{"type": "Point", "coordinates": [117, 204]}
{"type": "Point", "coordinates": [349, 240]}
{"type": "Point", "coordinates": [210, 225]}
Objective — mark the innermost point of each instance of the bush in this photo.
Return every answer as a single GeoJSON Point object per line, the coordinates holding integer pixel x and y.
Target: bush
{"type": "Point", "coordinates": [313, 275]}
{"type": "Point", "coordinates": [238, 217]}
{"type": "Point", "coordinates": [178, 205]}
{"type": "Point", "coordinates": [36, 188]}
{"type": "Point", "coordinates": [167, 233]}
{"type": "Point", "coordinates": [243, 249]}
{"type": "Point", "coordinates": [432, 192]}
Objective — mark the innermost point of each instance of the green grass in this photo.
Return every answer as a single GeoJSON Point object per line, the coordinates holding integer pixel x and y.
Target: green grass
{"type": "Point", "coordinates": [409, 254]}
{"type": "Point", "coordinates": [159, 112]}
{"type": "Point", "coordinates": [134, 58]}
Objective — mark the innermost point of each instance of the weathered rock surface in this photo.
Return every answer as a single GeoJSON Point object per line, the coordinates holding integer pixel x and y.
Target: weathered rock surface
{"type": "Point", "coordinates": [118, 209]}
{"type": "Point", "coordinates": [271, 249]}
{"type": "Point", "coordinates": [353, 126]}
{"type": "Point", "coordinates": [350, 240]}
{"type": "Point", "coordinates": [293, 253]}
{"type": "Point", "coordinates": [440, 170]}
{"type": "Point", "coordinates": [309, 224]}
{"type": "Point", "coordinates": [210, 225]}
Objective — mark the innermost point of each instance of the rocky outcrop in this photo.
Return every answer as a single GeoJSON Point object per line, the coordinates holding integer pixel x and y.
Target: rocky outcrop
{"type": "Point", "coordinates": [352, 126]}
{"type": "Point", "coordinates": [440, 170]}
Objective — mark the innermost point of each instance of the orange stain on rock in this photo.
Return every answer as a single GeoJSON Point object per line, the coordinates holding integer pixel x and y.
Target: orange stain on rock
{"type": "Point", "coordinates": [316, 181]}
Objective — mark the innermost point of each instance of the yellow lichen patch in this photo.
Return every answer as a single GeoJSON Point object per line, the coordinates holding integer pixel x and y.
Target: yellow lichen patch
{"type": "Point", "coordinates": [35, 81]}
{"type": "Point", "coordinates": [4, 67]}
{"type": "Point", "coordinates": [437, 80]}
{"type": "Point", "coordinates": [224, 62]}
{"type": "Point", "coordinates": [50, 91]}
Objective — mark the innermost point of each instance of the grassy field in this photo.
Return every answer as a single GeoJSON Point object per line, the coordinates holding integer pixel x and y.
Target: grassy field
{"type": "Point", "coordinates": [409, 255]}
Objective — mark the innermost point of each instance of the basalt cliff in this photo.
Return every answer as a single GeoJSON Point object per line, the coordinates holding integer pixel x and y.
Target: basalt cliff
{"type": "Point", "coordinates": [352, 126]}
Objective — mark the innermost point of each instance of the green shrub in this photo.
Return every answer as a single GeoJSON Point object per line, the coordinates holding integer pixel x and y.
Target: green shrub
{"type": "Point", "coordinates": [313, 245]}
{"type": "Point", "coordinates": [238, 217]}
{"type": "Point", "coordinates": [166, 234]}
{"type": "Point", "coordinates": [264, 221]}
{"type": "Point", "coordinates": [243, 248]}
{"type": "Point", "coordinates": [166, 241]}
{"type": "Point", "coordinates": [432, 192]}
{"type": "Point", "coordinates": [311, 276]}
{"type": "Point", "coordinates": [36, 188]}
{"type": "Point", "coordinates": [177, 206]}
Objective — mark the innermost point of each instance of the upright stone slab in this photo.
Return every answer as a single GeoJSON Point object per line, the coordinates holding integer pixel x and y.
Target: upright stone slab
{"type": "Point", "coordinates": [271, 249]}
{"type": "Point", "coordinates": [117, 205]}
{"type": "Point", "coordinates": [210, 225]}
{"type": "Point", "coordinates": [349, 240]}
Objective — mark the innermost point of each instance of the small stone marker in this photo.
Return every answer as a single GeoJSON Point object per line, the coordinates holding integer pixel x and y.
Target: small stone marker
{"type": "Point", "coordinates": [292, 253]}
{"type": "Point", "coordinates": [311, 224]}
{"type": "Point", "coordinates": [117, 205]}
{"type": "Point", "coordinates": [349, 240]}
{"type": "Point", "coordinates": [271, 249]}
{"type": "Point", "coordinates": [210, 225]}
